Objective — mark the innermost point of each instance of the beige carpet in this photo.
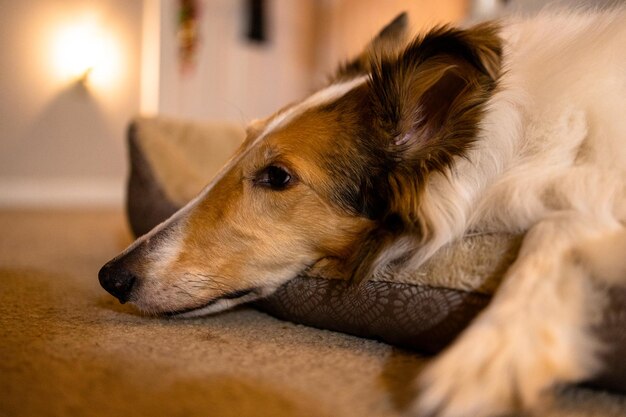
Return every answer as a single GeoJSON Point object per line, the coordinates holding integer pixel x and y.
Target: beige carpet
{"type": "Point", "coordinates": [69, 349]}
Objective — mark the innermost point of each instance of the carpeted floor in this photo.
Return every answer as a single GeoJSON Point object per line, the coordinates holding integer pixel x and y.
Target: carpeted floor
{"type": "Point", "coordinates": [69, 349]}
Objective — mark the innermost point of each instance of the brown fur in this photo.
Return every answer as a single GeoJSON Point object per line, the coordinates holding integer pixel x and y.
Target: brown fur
{"type": "Point", "coordinates": [388, 42]}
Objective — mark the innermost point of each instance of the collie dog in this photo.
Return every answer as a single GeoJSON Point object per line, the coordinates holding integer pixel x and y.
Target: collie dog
{"type": "Point", "coordinates": [510, 126]}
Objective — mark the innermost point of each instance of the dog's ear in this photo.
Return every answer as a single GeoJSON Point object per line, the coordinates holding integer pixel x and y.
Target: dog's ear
{"type": "Point", "coordinates": [428, 102]}
{"type": "Point", "coordinates": [389, 37]}
{"type": "Point", "coordinates": [426, 106]}
{"type": "Point", "coordinates": [388, 41]}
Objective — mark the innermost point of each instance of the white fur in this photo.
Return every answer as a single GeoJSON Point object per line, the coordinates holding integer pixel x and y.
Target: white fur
{"type": "Point", "coordinates": [550, 161]}
{"type": "Point", "coordinates": [605, 257]}
{"type": "Point", "coordinates": [219, 305]}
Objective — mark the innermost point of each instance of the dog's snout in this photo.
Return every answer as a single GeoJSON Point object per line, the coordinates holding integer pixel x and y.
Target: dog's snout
{"type": "Point", "coordinates": [117, 280]}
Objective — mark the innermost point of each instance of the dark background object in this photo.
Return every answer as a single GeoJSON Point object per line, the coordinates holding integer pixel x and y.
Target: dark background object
{"type": "Point", "coordinates": [256, 22]}
{"type": "Point", "coordinates": [146, 203]}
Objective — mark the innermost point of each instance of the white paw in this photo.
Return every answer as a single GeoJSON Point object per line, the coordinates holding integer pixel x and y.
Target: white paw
{"type": "Point", "coordinates": [472, 378]}
{"type": "Point", "coordinates": [493, 369]}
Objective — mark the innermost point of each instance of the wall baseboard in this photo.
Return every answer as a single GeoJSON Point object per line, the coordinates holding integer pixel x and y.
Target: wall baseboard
{"type": "Point", "coordinates": [62, 192]}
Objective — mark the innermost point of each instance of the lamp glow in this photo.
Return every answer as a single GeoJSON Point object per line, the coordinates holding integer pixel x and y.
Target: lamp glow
{"type": "Point", "coordinates": [84, 53]}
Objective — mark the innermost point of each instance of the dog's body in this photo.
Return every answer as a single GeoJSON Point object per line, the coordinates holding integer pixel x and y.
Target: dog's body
{"type": "Point", "coordinates": [509, 127]}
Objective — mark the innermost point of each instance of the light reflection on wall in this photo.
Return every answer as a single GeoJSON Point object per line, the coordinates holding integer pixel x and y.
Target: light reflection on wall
{"type": "Point", "coordinates": [83, 51]}
{"type": "Point", "coordinates": [56, 131]}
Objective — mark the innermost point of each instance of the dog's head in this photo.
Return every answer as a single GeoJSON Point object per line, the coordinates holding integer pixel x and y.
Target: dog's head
{"type": "Point", "coordinates": [337, 177]}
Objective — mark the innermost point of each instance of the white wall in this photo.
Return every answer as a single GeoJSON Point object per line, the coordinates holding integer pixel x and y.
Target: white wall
{"type": "Point", "coordinates": [62, 142]}
{"type": "Point", "coordinates": [234, 79]}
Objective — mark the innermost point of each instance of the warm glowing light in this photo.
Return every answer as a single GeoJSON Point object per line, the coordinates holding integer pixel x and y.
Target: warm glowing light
{"type": "Point", "coordinates": [83, 52]}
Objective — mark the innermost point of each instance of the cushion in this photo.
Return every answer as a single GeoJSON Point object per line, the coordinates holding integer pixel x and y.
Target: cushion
{"type": "Point", "coordinates": [423, 310]}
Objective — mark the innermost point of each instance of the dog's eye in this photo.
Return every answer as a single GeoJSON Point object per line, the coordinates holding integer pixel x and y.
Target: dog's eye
{"type": "Point", "coordinates": [275, 177]}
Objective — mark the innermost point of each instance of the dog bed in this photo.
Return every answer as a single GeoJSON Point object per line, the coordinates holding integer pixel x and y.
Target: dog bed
{"type": "Point", "coordinates": [424, 310]}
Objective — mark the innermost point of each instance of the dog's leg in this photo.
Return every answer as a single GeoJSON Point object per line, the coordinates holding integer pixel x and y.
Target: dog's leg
{"type": "Point", "coordinates": [533, 335]}
{"type": "Point", "coordinates": [604, 257]}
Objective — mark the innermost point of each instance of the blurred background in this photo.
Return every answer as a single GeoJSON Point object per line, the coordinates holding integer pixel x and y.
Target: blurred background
{"type": "Point", "coordinates": [73, 73]}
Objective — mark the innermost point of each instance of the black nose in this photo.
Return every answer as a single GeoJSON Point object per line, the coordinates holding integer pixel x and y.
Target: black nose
{"type": "Point", "coordinates": [117, 280]}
